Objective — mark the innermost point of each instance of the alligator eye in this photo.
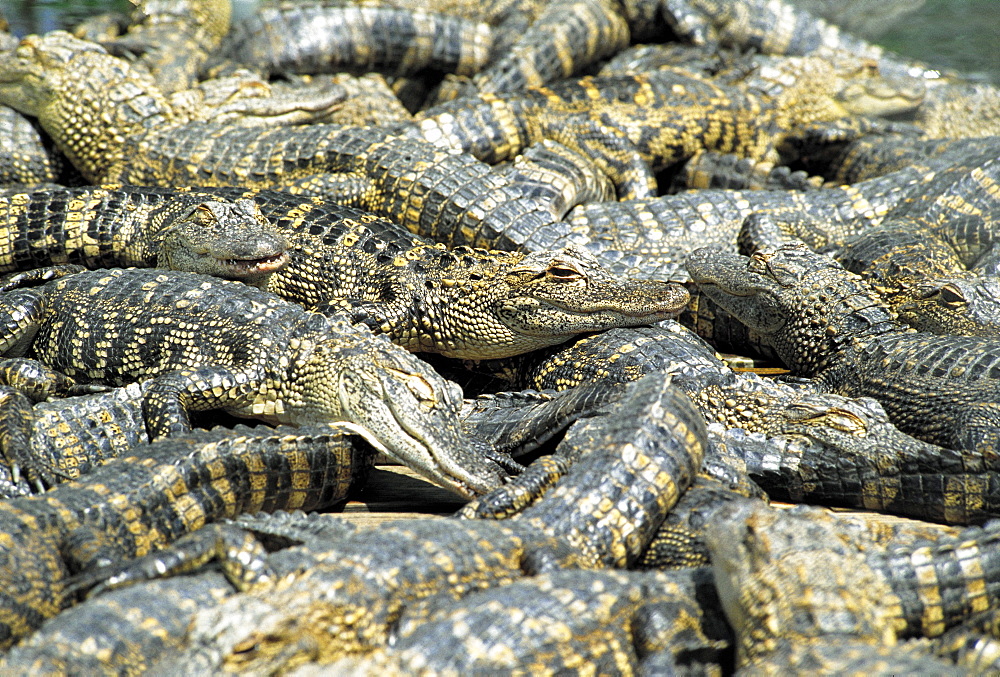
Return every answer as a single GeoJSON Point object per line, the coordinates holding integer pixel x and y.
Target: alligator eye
{"type": "Point", "coordinates": [418, 385]}
{"type": "Point", "coordinates": [832, 417]}
{"type": "Point", "coordinates": [562, 273]}
{"type": "Point", "coordinates": [421, 387]}
{"type": "Point", "coordinates": [950, 295]}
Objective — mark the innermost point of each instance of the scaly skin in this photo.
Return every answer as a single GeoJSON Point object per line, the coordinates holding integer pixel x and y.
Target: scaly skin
{"type": "Point", "coordinates": [334, 37]}
{"type": "Point", "coordinates": [139, 503]}
{"type": "Point", "coordinates": [468, 303]}
{"type": "Point", "coordinates": [119, 226]}
{"type": "Point", "coordinates": [631, 125]}
{"type": "Point", "coordinates": [213, 343]}
{"type": "Point", "coordinates": [622, 472]}
{"type": "Point", "coordinates": [826, 323]}
{"type": "Point", "coordinates": [804, 592]}
{"type": "Point", "coordinates": [174, 38]}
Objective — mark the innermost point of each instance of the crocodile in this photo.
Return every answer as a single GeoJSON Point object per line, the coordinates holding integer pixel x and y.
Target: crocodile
{"type": "Point", "coordinates": [829, 325]}
{"type": "Point", "coordinates": [805, 590]}
{"type": "Point", "coordinates": [145, 501]}
{"type": "Point", "coordinates": [462, 302]}
{"type": "Point", "coordinates": [255, 356]}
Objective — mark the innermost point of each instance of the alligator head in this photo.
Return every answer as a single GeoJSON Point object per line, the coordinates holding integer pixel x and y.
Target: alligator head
{"type": "Point", "coordinates": [231, 240]}
{"type": "Point", "coordinates": [517, 303]}
{"type": "Point", "coordinates": [405, 409]}
{"type": "Point", "coordinates": [804, 304]}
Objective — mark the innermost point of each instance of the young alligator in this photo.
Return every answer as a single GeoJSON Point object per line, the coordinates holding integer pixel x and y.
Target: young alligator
{"type": "Point", "coordinates": [831, 450]}
{"type": "Point", "coordinates": [451, 197]}
{"type": "Point", "coordinates": [123, 226]}
{"type": "Point", "coordinates": [145, 501]}
{"type": "Point", "coordinates": [173, 40]}
{"type": "Point", "coordinates": [363, 585]}
{"type": "Point", "coordinates": [633, 125]}
{"type": "Point", "coordinates": [920, 276]}
{"type": "Point", "coordinates": [826, 323]}
{"type": "Point", "coordinates": [464, 302]}
{"type": "Point", "coordinates": [654, 235]}
{"type": "Point", "coordinates": [211, 344]}
{"type": "Point", "coordinates": [613, 477]}
{"type": "Point", "coordinates": [333, 37]}
{"type": "Point", "coordinates": [805, 591]}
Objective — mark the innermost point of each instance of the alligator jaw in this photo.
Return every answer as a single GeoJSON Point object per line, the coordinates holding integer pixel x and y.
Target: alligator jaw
{"type": "Point", "coordinates": [243, 268]}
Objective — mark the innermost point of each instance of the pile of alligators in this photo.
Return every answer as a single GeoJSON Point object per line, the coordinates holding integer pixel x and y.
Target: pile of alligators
{"type": "Point", "coordinates": [616, 273]}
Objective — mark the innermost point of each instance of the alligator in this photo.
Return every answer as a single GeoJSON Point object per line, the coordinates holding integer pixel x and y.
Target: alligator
{"type": "Point", "coordinates": [218, 344]}
{"type": "Point", "coordinates": [653, 236]}
{"type": "Point", "coordinates": [960, 110]}
{"type": "Point", "coordinates": [958, 207]}
{"type": "Point", "coordinates": [49, 442]}
{"type": "Point", "coordinates": [918, 274]}
{"type": "Point", "coordinates": [806, 591]}
{"type": "Point", "coordinates": [453, 198]}
{"type": "Point", "coordinates": [344, 600]}
{"type": "Point", "coordinates": [838, 451]}
{"type": "Point", "coordinates": [679, 542]}
{"type": "Point", "coordinates": [564, 38]}
{"type": "Point", "coordinates": [461, 303]}
{"type": "Point", "coordinates": [614, 622]}
{"type": "Point", "coordinates": [334, 595]}
{"type": "Point", "coordinates": [856, 83]}
{"type": "Point", "coordinates": [365, 584]}
{"type": "Point", "coordinates": [612, 479]}
{"type": "Point", "coordinates": [558, 177]}
{"type": "Point", "coordinates": [146, 500]}
{"type": "Point", "coordinates": [829, 325]}
{"type": "Point", "coordinates": [124, 632]}
{"type": "Point", "coordinates": [730, 171]}
{"type": "Point", "coordinates": [634, 125]}
{"type": "Point", "coordinates": [775, 27]}
{"type": "Point", "coordinates": [334, 37]}
{"type": "Point", "coordinates": [25, 156]}
{"type": "Point", "coordinates": [173, 39]}
{"type": "Point", "coordinates": [139, 226]}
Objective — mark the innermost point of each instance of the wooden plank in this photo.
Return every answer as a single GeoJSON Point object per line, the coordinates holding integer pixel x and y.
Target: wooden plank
{"type": "Point", "coordinates": [395, 491]}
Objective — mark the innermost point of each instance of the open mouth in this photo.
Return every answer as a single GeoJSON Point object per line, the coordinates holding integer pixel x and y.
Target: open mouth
{"type": "Point", "coordinates": [246, 267]}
